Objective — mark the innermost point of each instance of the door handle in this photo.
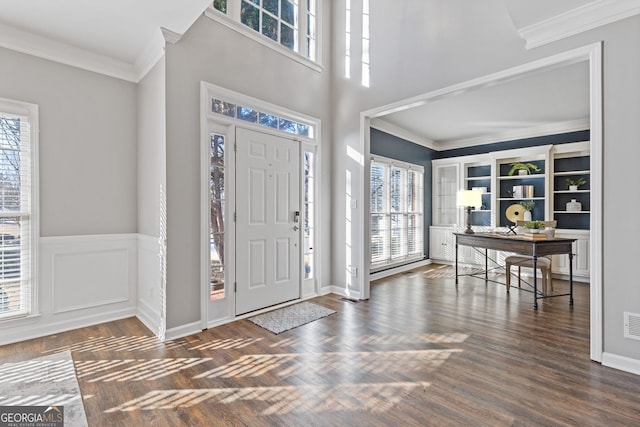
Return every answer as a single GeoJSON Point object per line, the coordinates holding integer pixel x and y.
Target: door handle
{"type": "Point", "coordinates": [296, 228]}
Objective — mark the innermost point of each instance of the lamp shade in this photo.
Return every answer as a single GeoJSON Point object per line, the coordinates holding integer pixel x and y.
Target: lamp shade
{"type": "Point", "coordinates": [469, 198]}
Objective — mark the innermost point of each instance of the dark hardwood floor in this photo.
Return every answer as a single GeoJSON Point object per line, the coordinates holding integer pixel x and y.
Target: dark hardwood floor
{"type": "Point", "coordinates": [420, 352]}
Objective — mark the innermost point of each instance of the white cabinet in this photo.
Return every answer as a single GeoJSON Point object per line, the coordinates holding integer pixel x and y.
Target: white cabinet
{"type": "Point", "coordinates": [581, 255]}
{"type": "Point", "coordinates": [445, 188]}
{"type": "Point", "coordinates": [441, 244]}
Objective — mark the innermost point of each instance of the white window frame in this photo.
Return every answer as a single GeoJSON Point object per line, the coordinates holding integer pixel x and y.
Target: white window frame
{"type": "Point", "coordinates": [30, 112]}
{"type": "Point", "coordinates": [232, 20]}
{"type": "Point", "coordinates": [405, 257]}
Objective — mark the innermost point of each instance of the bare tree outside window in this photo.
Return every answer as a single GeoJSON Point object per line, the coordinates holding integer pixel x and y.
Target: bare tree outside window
{"type": "Point", "coordinates": [216, 197]}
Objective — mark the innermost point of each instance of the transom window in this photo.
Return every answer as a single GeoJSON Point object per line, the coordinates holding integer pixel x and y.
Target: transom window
{"type": "Point", "coordinates": [397, 219]}
{"type": "Point", "coordinates": [290, 23]}
{"type": "Point", "coordinates": [261, 117]}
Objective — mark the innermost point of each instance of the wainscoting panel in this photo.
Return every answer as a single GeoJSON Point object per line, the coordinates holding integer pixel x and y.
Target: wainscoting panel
{"type": "Point", "coordinates": [81, 281]}
{"type": "Point", "coordinates": [89, 279]}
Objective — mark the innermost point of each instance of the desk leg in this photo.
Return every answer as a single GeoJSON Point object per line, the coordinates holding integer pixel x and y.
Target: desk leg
{"type": "Point", "coordinates": [535, 282]}
{"type": "Point", "coordinates": [570, 278]}
{"type": "Point", "coordinates": [456, 260]}
{"type": "Point", "coordinates": [486, 265]}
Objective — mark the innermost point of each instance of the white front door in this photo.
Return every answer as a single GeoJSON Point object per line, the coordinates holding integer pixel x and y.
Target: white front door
{"type": "Point", "coordinates": [267, 222]}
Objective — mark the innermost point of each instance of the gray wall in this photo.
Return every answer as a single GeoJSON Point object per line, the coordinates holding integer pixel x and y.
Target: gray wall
{"type": "Point", "coordinates": [87, 144]}
{"type": "Point", "coordinates": [213, 53]}
{"type": "Point", "coordinates": [428, 45]}
{"type": "Point", "coordinates": [151, 149]}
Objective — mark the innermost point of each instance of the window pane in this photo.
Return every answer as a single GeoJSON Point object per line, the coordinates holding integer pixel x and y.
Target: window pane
{"type": "Point", "coordinates": [398, 241]}
{"type": "Point", "coordinates": [270, 27]}
{"type": "Point", "coordinates": [287, 126]}
{"type": "Point", "coordinates": [224, 108]}
{"type": "Point", "coordinates": [303, 129]}
{"type": "Point", "coordinates": [217, 217]}
{"type": "Point", "coordinates": [220, 5]}
{"type": "Point", "coordinates": [288, 11]}
{"type": "Point", "coordinates": [250, 15]}
{"type": "Point", "coordinates": [247, 114]}
{"type": "Point", "coordinates": [379, 237]}
{"type": "Point", "coordinates": [271, 6]}
{"type": "Point", "coordinates": [395, 179]}
{"type": "Point", "coordinates": [268, 120]}
{"type": "Point", "coordinates": [217, 150]}
{"type": "Point", "coordinates": [377, 188]}
{"type": "Point", "coordinates": [287, 36]}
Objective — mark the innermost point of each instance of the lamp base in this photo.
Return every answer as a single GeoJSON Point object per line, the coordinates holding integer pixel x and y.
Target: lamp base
{"type": "Point", "coordinates": [469, 230]}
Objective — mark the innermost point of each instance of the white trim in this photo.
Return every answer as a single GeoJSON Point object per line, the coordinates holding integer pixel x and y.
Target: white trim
{"type": "Point", "coordinates": [182, 331]}
{"type": "Point", "coordinates": [42, 47]}
{"type": "Point", "coordinates": [578, 20]}
{"type": "Point", "coordinates": [512, 135]}
{"type": "Point", "coordinates": [399, 269]}
{"type": "Point", "coordinates": [596, 224]}
{"type": "Point", "coordinates": [219, 17]}
{"type": "Point", "coordinates": [149, 316]}
{"type": "Point", "coordinates": [622, 363]}
{"type": "Point", "coordinates": [149, 57]}
{"type": "Point", "coordinates": [170, 36]}
{"type": "Point", "coordinates": [591, 53]}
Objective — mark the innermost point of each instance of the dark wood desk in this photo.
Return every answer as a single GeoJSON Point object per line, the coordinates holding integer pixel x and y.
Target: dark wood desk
{"type": "Point", "coordinates": [524, 246]}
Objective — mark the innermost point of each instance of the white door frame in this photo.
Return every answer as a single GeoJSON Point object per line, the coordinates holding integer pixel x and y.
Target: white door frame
{"type": "Point", "coordinates": [593, 55]}
{"type": "Point", "coordinates": [225, 311]}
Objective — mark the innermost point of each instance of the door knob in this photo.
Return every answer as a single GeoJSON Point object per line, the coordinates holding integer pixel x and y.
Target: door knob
{"type": "Point", "coordinates": [295, 228]}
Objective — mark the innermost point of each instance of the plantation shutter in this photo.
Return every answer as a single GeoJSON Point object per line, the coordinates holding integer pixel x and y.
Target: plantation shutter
{"type": "Point", "coordinates": [396, 213]}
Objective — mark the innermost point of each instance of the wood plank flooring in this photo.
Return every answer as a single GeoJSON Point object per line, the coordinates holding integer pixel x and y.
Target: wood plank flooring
{"type": "Point", "coordinates": [420, 352]}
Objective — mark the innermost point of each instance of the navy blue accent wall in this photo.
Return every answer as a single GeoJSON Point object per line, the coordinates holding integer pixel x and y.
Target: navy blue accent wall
{"type": "Point", "coordinates": [393, 147]}
{"type": "Point", "coordinates": [562, 138]}
{"type": "Point", "coordinates": [384, 144]}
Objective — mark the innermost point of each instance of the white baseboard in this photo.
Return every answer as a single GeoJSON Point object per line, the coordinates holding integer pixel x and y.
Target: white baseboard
{"type": "Point", "coordinates": [149, 316]}
{"type": "Point", "coordinates": [338, 290]}
{"type": "Point", "coordinates": [400, 269]}
{"type": "Point", "coordinates": [183, 331]}
{"type": "Point", "coordinates": [41, 329]}
{"type": "Point", "coordinates": [621, 363]}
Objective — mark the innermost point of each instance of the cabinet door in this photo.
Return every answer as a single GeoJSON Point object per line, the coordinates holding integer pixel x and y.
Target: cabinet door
{"type": "Point", "coordinates": [580, 258]}
{"type": "Point", "coordinates": [441, 244]}
{"type": "Point", "coordinates": [445, 188]}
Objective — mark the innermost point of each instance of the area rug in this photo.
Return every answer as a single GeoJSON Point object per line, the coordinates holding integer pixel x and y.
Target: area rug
{"type": "Point", "coordinates": [290, 317]}
{"type": "Point", "coordinates": [48, 381]}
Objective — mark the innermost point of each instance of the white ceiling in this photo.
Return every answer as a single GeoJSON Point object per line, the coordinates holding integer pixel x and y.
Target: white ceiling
{"type": "Point", "coordinates": [546, 102]}
{"type": "Point", "coordinates": [122, 38]}
{"type": "Point", "coordinates": [116, 37]}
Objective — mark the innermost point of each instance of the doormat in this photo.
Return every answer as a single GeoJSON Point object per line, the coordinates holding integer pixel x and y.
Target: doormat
{"type": "Point", "coordinates": [284, 319]}
{"type": "Point", "coordinates": [48, 381]}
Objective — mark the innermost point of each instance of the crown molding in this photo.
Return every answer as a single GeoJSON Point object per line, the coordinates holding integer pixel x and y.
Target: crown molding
{"type": "Point", "coordinates": [397, 131]}
{"type": "Point", "coordinates": [170, 36]}
{"type": "Point", "coordinates": [513, 135]}
{"type": "Point", "coordinates": [576, 21]}
{"type": "Point", "coordinates": [149, 57]}
{"type": "Point", "coordinates": [42, 47]}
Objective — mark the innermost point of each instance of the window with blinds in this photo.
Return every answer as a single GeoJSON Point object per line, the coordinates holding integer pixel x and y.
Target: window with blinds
{"type": "Point", "coordinates": [397, 221]}
{"type": "Point", "coordinates": [16, 207]}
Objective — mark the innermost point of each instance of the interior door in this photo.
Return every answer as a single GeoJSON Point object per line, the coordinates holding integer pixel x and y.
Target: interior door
{"type": "Point", "coordinates": [267, 222]}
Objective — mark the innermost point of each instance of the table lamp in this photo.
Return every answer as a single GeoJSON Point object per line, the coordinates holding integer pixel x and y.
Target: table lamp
{"type": "Point", "coordinates": [468, 199]}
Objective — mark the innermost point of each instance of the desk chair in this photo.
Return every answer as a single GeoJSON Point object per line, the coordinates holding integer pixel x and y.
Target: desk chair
{"type": "Point", "coordinates": [542, 263]}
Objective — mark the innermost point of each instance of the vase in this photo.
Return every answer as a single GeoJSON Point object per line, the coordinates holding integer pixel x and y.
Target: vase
{"type": "Point", "coordinates": [573, 188]}
{"type": "Point", "coordinates": [527, 215]}
{"type": "Point", "coordinates": [523, 172]}
{"type": "Point", "coordinates": [574, 205]}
